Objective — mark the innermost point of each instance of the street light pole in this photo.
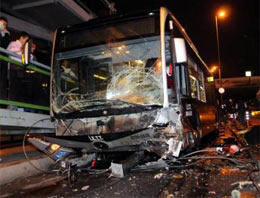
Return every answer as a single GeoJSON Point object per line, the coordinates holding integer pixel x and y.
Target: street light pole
{"type": "Point", "coordinates": [220, 14]}
{"type": "Point", "coordinates": [219, 63]}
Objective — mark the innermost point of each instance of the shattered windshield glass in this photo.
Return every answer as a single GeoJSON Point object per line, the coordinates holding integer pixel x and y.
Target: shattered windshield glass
{"type": "Point", "coordinates": [123, 74]}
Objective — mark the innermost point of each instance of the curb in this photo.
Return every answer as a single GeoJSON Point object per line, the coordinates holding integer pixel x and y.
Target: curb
{"type": "Point", "coordinates": [23, 170]}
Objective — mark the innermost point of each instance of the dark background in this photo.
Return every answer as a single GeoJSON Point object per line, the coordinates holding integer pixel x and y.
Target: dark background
{"type": "Point", "coordinates": [238, 32]}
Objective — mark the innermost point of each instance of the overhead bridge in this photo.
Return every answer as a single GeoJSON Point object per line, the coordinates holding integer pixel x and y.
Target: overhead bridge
{"type": "Point", "coordinates": [15, 122]}
{"type": "Point", "coordinates": [238, 82]}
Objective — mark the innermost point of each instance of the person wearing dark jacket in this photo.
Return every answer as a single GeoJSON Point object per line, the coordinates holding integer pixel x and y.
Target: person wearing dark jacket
{"type": "Point", "coordinates": [4, 33]}
{"type": "Point", "coordinates": [4, 41]}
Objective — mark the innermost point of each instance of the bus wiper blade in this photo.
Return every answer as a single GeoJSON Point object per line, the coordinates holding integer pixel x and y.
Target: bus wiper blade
{"type": "Point", "coordinates": [89, 108]}
{"type": "Point", "coordinates": [126, 102]}
{"type": "Point", "coordinates": [106, 104]}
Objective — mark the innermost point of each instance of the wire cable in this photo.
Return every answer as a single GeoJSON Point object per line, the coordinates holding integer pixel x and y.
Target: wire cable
{"type": "Point", "coordinates": [24, 150]}
{"type": "Point", "coordinates": [198, 151]}
{"type": "Point", "coordinates": [238, 162]}
{"type": "Point", "coordinates": [187, 165]}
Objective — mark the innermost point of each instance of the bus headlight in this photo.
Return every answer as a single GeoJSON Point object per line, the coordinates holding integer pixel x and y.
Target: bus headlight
{"type": "Point", "coordinates": [53, 148]}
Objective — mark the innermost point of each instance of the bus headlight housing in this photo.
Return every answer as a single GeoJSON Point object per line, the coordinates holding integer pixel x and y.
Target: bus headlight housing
{"type": "Point", "coordinates": [52, 148]}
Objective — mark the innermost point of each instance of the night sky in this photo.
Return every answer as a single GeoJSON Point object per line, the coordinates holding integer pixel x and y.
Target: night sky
{"type": "Point", "coordinates": [238, 32]}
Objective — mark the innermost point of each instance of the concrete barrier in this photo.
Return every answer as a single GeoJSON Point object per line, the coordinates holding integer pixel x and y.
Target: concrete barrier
{"type": "Point", "coordinates": [24, 169]}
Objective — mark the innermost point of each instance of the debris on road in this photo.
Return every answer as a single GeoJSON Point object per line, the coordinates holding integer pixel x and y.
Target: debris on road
{"type": "Point", "coordinates": [216, 170]}
{"type": "Point", "coordinates": [85, 188]}
{"type": "Point", "coordinates": [158, 176]}
{"type": "Point", "coordinates": [122, 168]}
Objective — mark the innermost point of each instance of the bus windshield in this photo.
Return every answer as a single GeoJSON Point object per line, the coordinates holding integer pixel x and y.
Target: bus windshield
{"type": "Point", "coordinates": [122, 74]}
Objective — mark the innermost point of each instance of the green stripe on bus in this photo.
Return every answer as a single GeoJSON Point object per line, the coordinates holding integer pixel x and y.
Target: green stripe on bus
{"type": "Point", "coordinates": [26, 105]}
{"type": "Point", "coordinates": [32, 67]}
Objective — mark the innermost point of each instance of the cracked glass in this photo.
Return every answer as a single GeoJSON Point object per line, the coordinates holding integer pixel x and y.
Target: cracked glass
{"type": "Point", "coordinates": [113, 75]}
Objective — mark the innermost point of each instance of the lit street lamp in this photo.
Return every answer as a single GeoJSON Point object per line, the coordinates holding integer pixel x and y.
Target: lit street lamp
{"type": "Point", "coordinates": [248, 73]}
{"type": "Point", "coordinates": [213, 69]}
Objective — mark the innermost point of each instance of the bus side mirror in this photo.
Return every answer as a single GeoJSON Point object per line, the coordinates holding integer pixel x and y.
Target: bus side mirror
{"type": "Point", "coordinates": [26, 55]}
{"type": "Point", "coordinates": [180, 49]}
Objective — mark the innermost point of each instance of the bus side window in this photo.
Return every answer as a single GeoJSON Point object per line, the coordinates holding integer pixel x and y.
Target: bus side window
{"type": "Point", "coordinates": [202, 91]}
{"type": "Point", "coordinates": [194, 87]}
{"type": "Point", "coordinates": [170, 81]}
{"type": "Point", "coordinates": [197, 87]}
{"type": "Point", "coordinates": [184, 88]}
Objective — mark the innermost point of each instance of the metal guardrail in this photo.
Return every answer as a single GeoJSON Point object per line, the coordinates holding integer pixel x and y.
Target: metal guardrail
{"type": "Point", "coordinates": [5, 51]}
{"type": "Point", "coordinates": [41, 68]}
{"type": "Point", "coordinates": [35, 66]}
{"type": "Point", "coordinates": [25, 105]}
{"type": "Point", "coordinates": [19, 64]}
{"type": "Point", "coordinates": [16, 122]}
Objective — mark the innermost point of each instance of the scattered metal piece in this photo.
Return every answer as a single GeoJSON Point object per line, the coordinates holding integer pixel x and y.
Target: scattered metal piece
{"type": "Point", "coordinates": [158, 176]}
{"type": "Point", "coordinates": [212, 192]}
{"type": "Point", "coordinates": [177, 176]}
{"type": "Point", "coordinates": [235, 194]}
{"type": "Point", "coordinates": [45, 183]}
{"type": "Point", "coordinates": [160, 164]}
{"type": "Point", "coordinates": [120, 169]}
{"type": "Point", "coordinates": [85, 188]}
{"type": "Point", "coordinates": [174, 147]}
{"type": "Point", "coordinates": [241, 184]}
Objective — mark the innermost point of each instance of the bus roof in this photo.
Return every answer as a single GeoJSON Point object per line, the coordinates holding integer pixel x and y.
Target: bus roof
{"type": "Point", "coordinates": [110, 19]}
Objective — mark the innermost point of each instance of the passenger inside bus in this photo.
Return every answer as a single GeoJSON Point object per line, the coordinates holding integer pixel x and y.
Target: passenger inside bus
{"type": "Point", "coordinates": [68, 73]}
{"type": "Point", "coordinates": [68, 69]}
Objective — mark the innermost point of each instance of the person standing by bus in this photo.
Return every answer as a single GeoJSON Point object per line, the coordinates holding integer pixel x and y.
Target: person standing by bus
{"type": "Point", "coordinates": [33, 48]}
{"type": "Point", "coordinates": [18, 45]}
{"type": "Point", "coordinates": [4, 33]}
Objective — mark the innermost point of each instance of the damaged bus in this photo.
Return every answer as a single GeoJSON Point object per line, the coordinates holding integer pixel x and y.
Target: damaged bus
{"type": "Point", "coordinates": [127, 83]}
